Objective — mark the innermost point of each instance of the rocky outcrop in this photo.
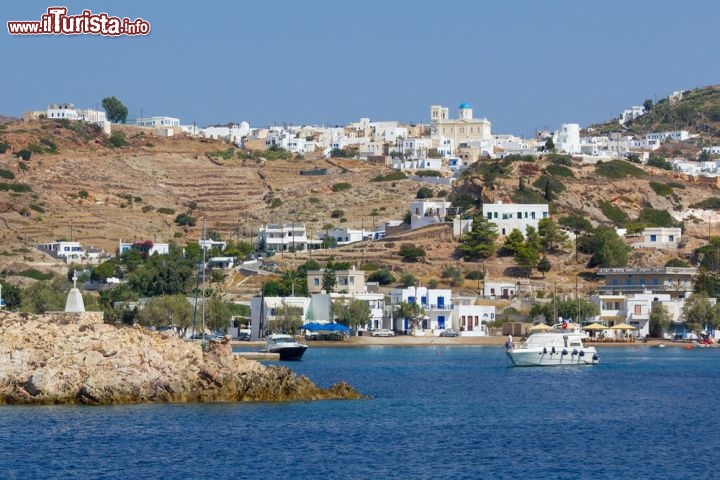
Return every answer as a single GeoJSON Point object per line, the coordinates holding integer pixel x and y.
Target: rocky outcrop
{"type": "Point", "coordinates": [46, 362]}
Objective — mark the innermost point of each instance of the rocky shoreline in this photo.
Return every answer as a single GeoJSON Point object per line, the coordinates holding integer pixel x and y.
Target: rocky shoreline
{"type": "Point", "coordinates": [45, 361]}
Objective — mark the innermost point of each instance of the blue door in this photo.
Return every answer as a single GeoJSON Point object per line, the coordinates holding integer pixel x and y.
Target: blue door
{"type": "Point", "coordinates": [441, 302]}
{"type": "Point", "coordinates": [441, 322]}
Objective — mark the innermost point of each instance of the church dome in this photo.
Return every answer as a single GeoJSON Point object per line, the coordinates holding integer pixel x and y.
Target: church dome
{"type": "Point", "coordinates": [464, 105]}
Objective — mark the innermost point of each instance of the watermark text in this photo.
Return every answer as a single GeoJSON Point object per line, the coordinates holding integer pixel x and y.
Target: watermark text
{"type": "Point", "coordinates": [57, 22]}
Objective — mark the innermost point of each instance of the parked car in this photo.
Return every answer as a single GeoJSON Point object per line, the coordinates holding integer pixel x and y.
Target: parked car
{"type": "Point", "coordinates": [383, 332]}
{"type": "Point", "coordinates": [449, 332]}
{"type": "Point", "coordinates": [244, 336]}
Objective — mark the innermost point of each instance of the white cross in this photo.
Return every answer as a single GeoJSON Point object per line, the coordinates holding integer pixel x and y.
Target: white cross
{"type": "Point", "coordinates": [74, 279]}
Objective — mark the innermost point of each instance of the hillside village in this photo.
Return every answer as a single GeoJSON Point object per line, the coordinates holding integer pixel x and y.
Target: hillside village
{"type": "Point", "coordinates": [79, 191]}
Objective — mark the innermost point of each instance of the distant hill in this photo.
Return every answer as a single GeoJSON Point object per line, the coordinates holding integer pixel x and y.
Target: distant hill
{"type": "Point", "coordinates": [698, 112]}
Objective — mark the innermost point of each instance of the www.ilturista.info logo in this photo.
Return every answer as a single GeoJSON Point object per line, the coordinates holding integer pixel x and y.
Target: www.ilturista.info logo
{"type": "Point", "coordinates": [57, 22]}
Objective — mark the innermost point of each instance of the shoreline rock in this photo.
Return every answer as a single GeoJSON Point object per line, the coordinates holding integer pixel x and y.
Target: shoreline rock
{"type": "Point", "coordinates": [44, 362]}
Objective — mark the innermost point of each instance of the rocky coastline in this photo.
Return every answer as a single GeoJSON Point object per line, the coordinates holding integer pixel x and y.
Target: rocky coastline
{"type": "Point", "coordinates": [77, 359]}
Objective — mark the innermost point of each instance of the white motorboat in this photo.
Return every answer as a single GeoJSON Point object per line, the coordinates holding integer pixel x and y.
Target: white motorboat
{"type": "Point", "coordinates": [561, 345]}
{"type": "Point", "coordinates": [285, 345]}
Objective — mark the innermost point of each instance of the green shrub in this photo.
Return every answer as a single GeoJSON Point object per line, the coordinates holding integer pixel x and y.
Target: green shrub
{"type": "Point", "coordinates": [339, 187]}
{"type": "Point", "coordinates": [428, 173]}
{"type": "Point", "coordinates": [314, 200]}
{"type": "Point", "coordinates": [424, 192]}
{"type": "Point", "coordinates": [185, 220]}
{"type": "Point", "coordinates": [147, 208]}
{"type": "Point", "coordinates": [475, 275]}
{"type": "Point", "coordinates": [224, 154]}
{"type": "Point", "coordinates": [25, 154]}
{"type": "Point", "coordinates": [383, 277]}
{"type": "Point", "coordinates": [709, 203]}
{"type": "Point", "coordinates": [613, 213]}
{"type": "Point", "coordinates": [559, 159]}
{"type": "Point", "coordinates": [4, 147]}
{"type": "Point", "coordinates": [37, 208]}
{"type": "Point", "coordinates": [559, 171]}
{"type": "Point", "coordinates": [22, 166]}
{"type": "Point", "coordinates": [337, 214]}
{"type": "Point", "coordinates": [116, 140]}
{"type": "Point", "coordinates": [396, 175]}
{"type": "Point", "coordinates": [528, 196]}
{"type": "Point", "coordinates": [15, 187]}
{"type": "Point", "coordinates": [49, 145]}
{"type": "Point", "coordinates": [7, 174]}
{"type": "Point", "coordinates": [618, 169]}
{"type": "Point", "coordinates": [166, 211]}
{"type": "Point", "coordinates": [661, 189]}
{"type": "Point", "coordinates": [35, 274]}
{"type": "Point", "coordinates": [83, 194]}
{"type": "Point", "coordinates": [656, 218]}
{"type": "Point", "coordinates": [276, 203]}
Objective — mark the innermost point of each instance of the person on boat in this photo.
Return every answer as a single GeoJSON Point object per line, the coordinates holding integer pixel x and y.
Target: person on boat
{"type": "Point", "coordinates": [509, 343]}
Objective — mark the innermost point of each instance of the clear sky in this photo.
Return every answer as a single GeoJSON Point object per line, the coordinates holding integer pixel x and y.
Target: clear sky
{"type": "Point", "coordinates": [524, 65]}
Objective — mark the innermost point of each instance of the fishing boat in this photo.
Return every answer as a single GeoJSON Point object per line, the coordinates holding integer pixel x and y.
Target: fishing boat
{"type": "Point", "coordinates": [562, 344]}
{"type": "Point", "coordinates": [284, 345]}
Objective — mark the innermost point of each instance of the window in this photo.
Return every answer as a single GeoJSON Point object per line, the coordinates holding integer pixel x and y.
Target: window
{"type": "Point", "coordinates": [653, 238]}
{"type": "Point", "coordinates": [671, 238]}
{"type": "Point", "coordinates": [316, 282]}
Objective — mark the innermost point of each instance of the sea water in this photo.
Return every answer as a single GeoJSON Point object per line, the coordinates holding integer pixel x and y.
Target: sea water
{"type": "Point", "coordinates": [456, 412]}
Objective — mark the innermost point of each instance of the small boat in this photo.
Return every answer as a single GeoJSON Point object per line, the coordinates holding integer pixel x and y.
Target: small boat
{"type": "Point", "coordinates": [284, 345]}
{"type": "Point", "coordinates": [561, 345]}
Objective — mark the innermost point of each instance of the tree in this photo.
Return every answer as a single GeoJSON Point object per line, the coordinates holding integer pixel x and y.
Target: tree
{"type": "Point", "coordinates": [551, 237]}
{"type": "Point", "coordinates": [659, 320]}
{"type": "Point", "coordinates": [167, 310]}
{"type": "Point", "coordinates": [185, 220]}
{"type": "Point", "coordinates": [45, 296]}
{"type": "Point", "coordinates": [527, 257]}
{"type": "Point", "coordinates": [287, 319]}
{"type": "Point", "coordinates": [407, 279]}
{"type": "Point", "coordinates": [411, 312]}
{"type": "Point", "coordinates": [328, 279]}
{"type": "Point", "coordinates": [217, 314]}
{"type": "Point", "coordinates": [648, 105]}
{"type": "Point", "coordinates": [453, 276]}
{"type": "Point", "coordinates": [544, 265]}
{"type": "Point", "coordinates": [424, 192]}
{"type": "Point", "coordinates": [549, 145]}
{"type": "Point", "coordinates": [607, 249]}
{"type": "Point", "coordinates": [480, 241]}
{"type": "Point", "coordinates": [11, 295]}
{"type": "Point", "coordinates": [358, 314]}
{"type": "Point", "coordinates": [577, 223]}
{"type": "Point", "coordinates": [411, 252]}
{"type": "Point", "coordinates": [513, 241]}
{"type": "Point", "coordinates": [707, 282]}
{"type": "Point", "coordinates": [383, 277]}
{"type": "Point", "coordinates": [532, 239]}
{"type": "Point", "coordinates": [699, 312]}
{"type": "Point", "coordinates": [115, 110]}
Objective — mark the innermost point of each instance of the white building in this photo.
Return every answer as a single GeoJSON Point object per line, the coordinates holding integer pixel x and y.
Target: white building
{"type": "Point", "coordinates": [209, 244]}
{"type": "Point", "coordinates": [436, 303]}
{"type": "Point", "coordinates": [428, 212]}
{"type": "Point", "coordinates": [509, 216]}
{"type": "Point", "coordinates": [147, 247]}
{"type": "Point", "coordinates": [567, 139]}
{"type": "Point", "coordinates": [157, 122]}
{"type": "Point", "coordinates": [660, 237]}
{"type": "Point", "coordinates": [631, 114]}
{"type": "Point", "coordinates": [635, 309]}
{"type": "Point", "coordinates": [471, 320]}
{"type": "Point", "coordinates": [346, 281]}
{"type": "Point", "coordinates": [283, 237]}
{"type": "Point", "coordinates": [675, 136]}
{"type": "Point", "coordinates": [500, 289]}
{"type": "Point", "coordinates": [344, 236]}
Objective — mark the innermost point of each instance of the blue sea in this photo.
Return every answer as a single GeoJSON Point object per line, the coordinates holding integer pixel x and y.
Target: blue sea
{"type": "Point", "coordinates": [436, 413]}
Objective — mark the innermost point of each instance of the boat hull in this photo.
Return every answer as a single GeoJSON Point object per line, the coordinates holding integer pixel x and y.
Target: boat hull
{"type": "Point", "coordinates": [293, 353]}
{"type": "Point", "coordinates": [542, 357]}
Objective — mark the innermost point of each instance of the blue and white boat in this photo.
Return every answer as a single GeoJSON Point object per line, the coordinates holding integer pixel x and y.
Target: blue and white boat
{"type": "Point", "coordinates": [561, 345]}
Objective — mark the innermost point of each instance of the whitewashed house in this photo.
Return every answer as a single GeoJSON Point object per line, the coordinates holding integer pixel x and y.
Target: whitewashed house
{"type": "Point", "coordinates": [428, 212]}
{"type": "Point", "coordinates": [509, 216]}
{"type": "Point", "coordinates": [283, 237]}
{"type": "Point", "coordinates": [567, 139]}
{"type": "Point", "coordinates": [436, 304]}
{"type": "Point", "coordinates": [660, 237]}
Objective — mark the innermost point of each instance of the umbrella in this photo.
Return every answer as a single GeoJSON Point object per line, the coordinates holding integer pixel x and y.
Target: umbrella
{"type": "Point", "coordinates": [595, 326]}
{"type": "Point", "coordinates": [335, 327]}
{"type": "Point", "coordinates": [540, 327]}
{"type": "Point", "coordinates": [623, 326]}
{"type": "Point", "coordinates": [312, 327]}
